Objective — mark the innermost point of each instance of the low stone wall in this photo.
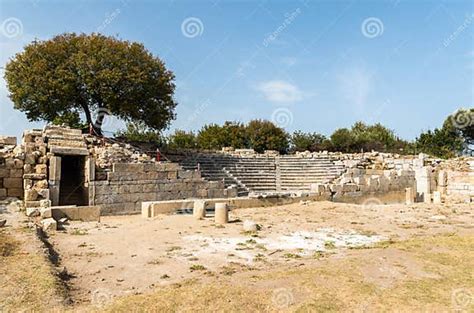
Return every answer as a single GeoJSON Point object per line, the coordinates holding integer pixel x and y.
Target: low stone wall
{"type": "Point", "coordinates": [11, 168]}
{"type": "Point", "coordinates": [459, 186]}
{"type": "Point", "coordinates": [130, 184]}
{"type": "Point", "coordinates": [359, 184]}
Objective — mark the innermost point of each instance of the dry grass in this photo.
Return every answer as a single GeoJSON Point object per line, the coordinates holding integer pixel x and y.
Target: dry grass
{"type": "Point", "coordinates": [27, 282]}
{"type": "Point", "coordinates": [333, 285]}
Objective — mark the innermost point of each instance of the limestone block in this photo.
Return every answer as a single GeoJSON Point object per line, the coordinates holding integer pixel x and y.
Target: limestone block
{"type": "Point", "coordinates": [250, 226]}
{"type": "Point", "coordinates": [7, 141]}
{"type": "Point", "coordinates": [41, 169]}
{"type": "Point", "coordinates": [46, 213]}
{"type": "Point", "coordinates": [16, 173]}
{"type": "Point", "coordinates": [41, 184]}
{"type": "Point", "coordinates": [437, 197]}
{"type": "Point", "coordinates": [32, 212]}
{"type": "Point", "coordinates": [221, 213]}
{"type": "Point", "coordinates": [409, 196]}
{"type": "Point", "coordinates": [27, 169]}
{"type": "Point", "coordinates": [13, 183]}
{"type": "Point", "coordinates": [31, 195]}
{"type": "Point", "coordinates": [4, 173]}
{"type": "Point", "coordinates": [199, 209]}
{"type": "Point", "coordinates": [45, 203]}
{"type": "Point", "coordinates": [49, 224]}
{"type": "Point", "coordinates": [28, 183]}
{"type": "Point", "coordinates": [30, 159]}
{"type": "Point", "coordinates": [3, 193]}
{"type": "Point", "coordinates": [43, 193]}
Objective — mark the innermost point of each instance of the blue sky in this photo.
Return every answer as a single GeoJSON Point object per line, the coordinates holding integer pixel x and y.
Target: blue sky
{"type": "Point", "coordinates": [309, 65]}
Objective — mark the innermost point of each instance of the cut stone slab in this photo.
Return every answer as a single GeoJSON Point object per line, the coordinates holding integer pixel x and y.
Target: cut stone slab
{"type": "Point", "coordinates": [32, 212]}
{"type": "Point", "coordinates": [46, 213]}
{"type": "Point", "coordinates": [250, 226]}
{"type": "Point", "coordinates": [199, 209]}
{"type": "Point", "coordinates": [77, 213]}
{"type": "Point", "coordinates": [49, 224]}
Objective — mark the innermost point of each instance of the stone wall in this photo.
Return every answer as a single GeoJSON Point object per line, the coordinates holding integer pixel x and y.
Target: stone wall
{"type": "Point", "coordinates": [11, 168]}
{"type": "Point", "coordinates": [367, 183]}
{"type": "Point", "coordinates": [130, 184]}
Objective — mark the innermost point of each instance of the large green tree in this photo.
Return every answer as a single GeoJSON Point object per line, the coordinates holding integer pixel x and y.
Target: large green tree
{"type": "Point", "coordinates": [73, 77]}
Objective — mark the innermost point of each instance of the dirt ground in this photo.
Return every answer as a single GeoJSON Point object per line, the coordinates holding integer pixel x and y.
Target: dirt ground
{"type": "Point", "coordinates": [129, 255]}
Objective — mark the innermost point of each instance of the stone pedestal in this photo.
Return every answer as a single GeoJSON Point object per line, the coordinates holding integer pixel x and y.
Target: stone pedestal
{"type": "Point", "coordinates": [409, 196]}
{"type": "Point", "coordinates": [199, 209]}
{"type": "Point", "coordinates": [221, 213]}
{"type": "Point", "coordinates": [437, 197]}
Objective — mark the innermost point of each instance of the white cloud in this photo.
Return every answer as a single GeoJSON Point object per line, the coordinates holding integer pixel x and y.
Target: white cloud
{"type": "Point", "coordinates": [280, 91]}
{"type": "Point", "coordinates": [355, 85]}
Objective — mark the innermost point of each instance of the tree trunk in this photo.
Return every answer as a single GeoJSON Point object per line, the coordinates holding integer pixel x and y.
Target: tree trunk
{"type": "Point", "coordinates": [94, 126]}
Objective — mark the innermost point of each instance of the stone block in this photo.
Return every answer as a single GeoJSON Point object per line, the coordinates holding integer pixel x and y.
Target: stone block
{"type": "Point", "coordinates": [41, 169]}
{"type": "Point", "coordinates": [3, 193]}
{"type": "Point", "coordinates": [7, 141]}
{"type": "Point", "coordinates": [199, 209]}
{"type": "Point", "coordinates": [49, 224]}
{"type": "Point", "coordinates": [16, 173]}
{"type": "Point", "coordinates": [13, 182]}
{"type": "Point", "coordinates": [75, 213]}
{"type": "Point", "coordinates": [409, 196]}
{"type": "Point", "coordinates": [31, 195]}
{"type": "Point", "coordinates": [221, 213]}
{"type": "Point", "coordinates": [4, 173]}
{"type": "Point", "coordinates": [437, 197]}
{"type": "Point", "coordinates": [46, 213]}
{"type": "Point", "coordinates": [32, 212]}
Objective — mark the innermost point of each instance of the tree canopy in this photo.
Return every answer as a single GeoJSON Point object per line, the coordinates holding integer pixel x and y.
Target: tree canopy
{"type": "Point", "coordinates": [71, 78]}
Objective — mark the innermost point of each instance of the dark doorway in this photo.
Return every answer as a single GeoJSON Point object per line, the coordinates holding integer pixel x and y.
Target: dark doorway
{"type": "Point", "coordinates": [71, 188]}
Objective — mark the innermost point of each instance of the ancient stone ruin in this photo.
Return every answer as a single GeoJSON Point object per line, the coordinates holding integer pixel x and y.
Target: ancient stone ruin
{"type": "Point", "coordinates": [59, 172]}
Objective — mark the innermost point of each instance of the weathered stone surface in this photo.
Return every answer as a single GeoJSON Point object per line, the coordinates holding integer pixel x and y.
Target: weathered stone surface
{"type": "Point", "coordinates": [32, 212]}
{"type": "Point", "coordinates": [49, 224]}
{"type": "Point", "coordinates": [199, 209]}
{"type": "Point", "coordinates": [221, 213]}
{"type": "Point", "coordinates": [7, 141]}
{"type": "Point", "coordinates": [68, 151]}
{"type": "Point", "coordinates": [77, 213]}
{"type": "Point", "coordinates": [13, 183]}
{"type": "Point", "coordinates": [250, 226]}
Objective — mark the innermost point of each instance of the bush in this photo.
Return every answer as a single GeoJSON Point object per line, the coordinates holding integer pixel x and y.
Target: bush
{"type": "Point", "coordinates": [264, 135]}
{"type": "Point", "coordinates": [182, 140]}
{"type": "Point", "coordinates": [307, 141]}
